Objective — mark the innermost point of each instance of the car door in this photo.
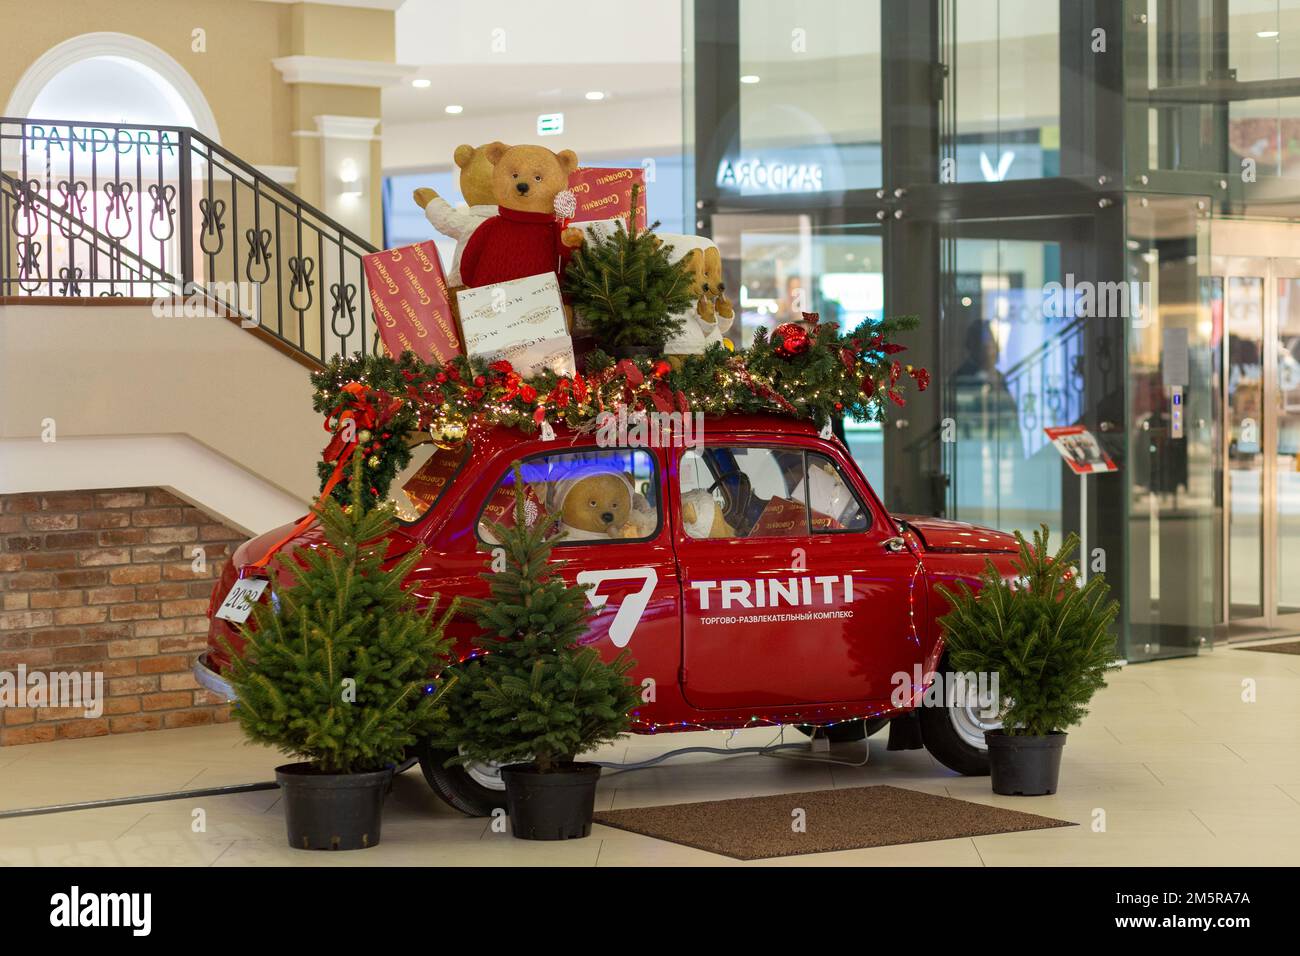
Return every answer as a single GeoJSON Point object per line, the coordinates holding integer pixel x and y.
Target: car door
{"type": "Point", "coordinates": [631, 581]}
{"type": "Point", "coordinates": [803, 592]}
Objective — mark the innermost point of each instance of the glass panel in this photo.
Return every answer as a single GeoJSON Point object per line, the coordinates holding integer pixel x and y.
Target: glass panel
{"type": "Point", "coordinates": [422, 482]}
{"type": "Point", "coordinates": [1201, 59]}
{"type": "Point", "coordinates": [809, 98]}
{"type": "Point", "coordinates": [831, 497]}
{"type": "Point", "coordinates": [759, 493]}
{"type": "Point", "coordinates": [783, 265]}
{"type": "Point", "coordinates": [601, 496]}
{"type": "Point", "coordinates": [1171, 531]}
{"type": "Point", "coordinates": [1288, 447]}
{"type": "Point", "coordinates": [1244, 309]}
{"type": "Point", "coordinates": [1007, 86]}
{"type": "Point", "coordinates": [1014, 372]}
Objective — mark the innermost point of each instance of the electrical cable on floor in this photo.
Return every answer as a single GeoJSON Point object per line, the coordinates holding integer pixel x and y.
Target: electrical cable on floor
{"type": "Point", "coordinates": [773, 749]}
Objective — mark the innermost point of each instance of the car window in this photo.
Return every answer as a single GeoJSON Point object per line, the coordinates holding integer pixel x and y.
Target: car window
{"type": "Point", "coordinates": [604, 495]}
{"type": "Point", "coordinates": [422, 482]}
{"type": "Point", "coordinates": [830, 495]}
{"type": "Point", "coordinates": [765, 492]}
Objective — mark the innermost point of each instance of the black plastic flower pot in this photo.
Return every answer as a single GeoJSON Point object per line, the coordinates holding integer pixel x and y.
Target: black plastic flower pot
{"type": "Point", "coordinates": [551, 806]}
{"type": "Point", "coordinates": [332, 811]}
{"type": "Point", "coordinates": [1023, 766]}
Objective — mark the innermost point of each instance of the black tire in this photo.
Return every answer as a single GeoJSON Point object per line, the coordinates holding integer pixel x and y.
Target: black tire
{"type": "Point", "coordinates": [845, 732]}
{"type": "Point", "coordinates": [944, 742]}
{"type": "Point", "coordinates": [457, 787]}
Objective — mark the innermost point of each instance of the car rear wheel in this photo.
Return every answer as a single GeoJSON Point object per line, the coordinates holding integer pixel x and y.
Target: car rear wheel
{"type": "Point", "coordinates": [845, 731]}
{"type": "Point", "coordinates": [475, 789]}
{"type": "Point", "coordinates": [954, 733]}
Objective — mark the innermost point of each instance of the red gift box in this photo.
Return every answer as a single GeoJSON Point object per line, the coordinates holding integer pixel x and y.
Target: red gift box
{"type": "Point", "coordinates": [424, 487]}
{"type": "Point", "coordinates": [412, 305]}
{"type": "Point", "coordinates": [785, 517]}
{"type": "Point", "coordinates": [605, 192]}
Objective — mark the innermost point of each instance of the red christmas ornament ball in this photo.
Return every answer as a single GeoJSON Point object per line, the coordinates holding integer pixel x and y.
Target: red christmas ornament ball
{"type": "Point", "coordinates": [790, 340]}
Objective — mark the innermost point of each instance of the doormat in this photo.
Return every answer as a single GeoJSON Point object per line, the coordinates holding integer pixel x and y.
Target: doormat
{"type": "Point", "coordinates": [1290, 647]}
{"type": "Point", "coordinates": [758, 828]}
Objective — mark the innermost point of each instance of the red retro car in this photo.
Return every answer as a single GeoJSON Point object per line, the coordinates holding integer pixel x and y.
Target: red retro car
{"type": "Point", "coordinates": [806, 604]}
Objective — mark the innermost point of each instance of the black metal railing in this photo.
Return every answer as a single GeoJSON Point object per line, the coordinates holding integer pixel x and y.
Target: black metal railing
{"type": "Point", "coordinates": [1047, 385]}
{"type": "Point", "coordinates": [102, 209]}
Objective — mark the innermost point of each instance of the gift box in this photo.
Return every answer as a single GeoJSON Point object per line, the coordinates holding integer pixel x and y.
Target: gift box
{"type": "Point", "coordinates": [521, 321]}
{"type": "Point", "coordinates": [426, 485]}
{"type": "Point", "coordinates": [412, 305]}
{"type": "Point", "coordinates": [785, 517]}
{"type": "Point", "coordinates": [605, 192]}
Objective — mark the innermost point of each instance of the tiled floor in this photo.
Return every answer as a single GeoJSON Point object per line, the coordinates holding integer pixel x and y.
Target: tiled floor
{"type": "Point", "coordinates": [1173, 767]}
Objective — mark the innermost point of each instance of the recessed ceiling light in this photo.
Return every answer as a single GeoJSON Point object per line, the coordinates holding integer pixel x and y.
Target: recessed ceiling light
{"type": "Point", "coordinates": [422, 84]}
{"type": "Point", "coordinates": [453, 108]}
{"type": "Point", "coordinates": [1266, 34]}
{"type": "Point", "coordinates": [749, 78]}
{"type": "Point", "coordinates": [595, 95]}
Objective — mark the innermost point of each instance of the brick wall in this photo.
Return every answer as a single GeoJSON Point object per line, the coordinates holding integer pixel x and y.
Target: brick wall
{"type": "Point", "coordinates": [104, 581]}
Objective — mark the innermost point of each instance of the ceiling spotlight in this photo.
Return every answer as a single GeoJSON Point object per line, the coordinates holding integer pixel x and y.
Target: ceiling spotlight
{"type": "Point", "coordinates": [595, 95]}
{"type": "Point", "coordinates": [422, 84]}
{"type": "Point", "coordinates": [749, 78]}
{"type": "Point", "coordinates": [453, 108]}
{"type": "Point", "coordinates": [1266, 34]}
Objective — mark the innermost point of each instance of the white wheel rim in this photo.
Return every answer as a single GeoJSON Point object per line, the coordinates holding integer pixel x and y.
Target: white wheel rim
{"type": "Point", "coordinates": [970, 720]}
{"type": "Point", "coordinates": [486, 774]}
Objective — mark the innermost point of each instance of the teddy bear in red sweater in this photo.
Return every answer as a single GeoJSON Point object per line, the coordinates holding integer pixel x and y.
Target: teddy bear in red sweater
{"type": "Point", "coordinates": [525, 238]}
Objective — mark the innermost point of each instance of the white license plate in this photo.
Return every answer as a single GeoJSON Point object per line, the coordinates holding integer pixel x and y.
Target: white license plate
{"type": "Point", "coordinates": [241, 598]}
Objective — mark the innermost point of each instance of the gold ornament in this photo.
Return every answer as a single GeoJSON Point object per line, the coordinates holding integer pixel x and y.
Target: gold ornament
{"type": "Point", "coordinates": [448, 434]}
{"type": "Point", "coordinates": [373, 461]}
{"type": "Point", "coordinates": [363, 435]}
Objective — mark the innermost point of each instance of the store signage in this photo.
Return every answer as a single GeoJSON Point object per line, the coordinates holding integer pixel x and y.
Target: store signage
{"type": "Point", "coordinates": [550, 124]}
{"type": "Point", "coordinates": [1080, 450]}
{"type": "Point", "coordinates": [756, 174]}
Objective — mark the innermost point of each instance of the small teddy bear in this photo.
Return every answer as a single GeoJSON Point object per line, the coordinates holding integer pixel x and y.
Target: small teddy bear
{"type": "Point", "coordinates": [702, 516]}
{"type": "Point", "coordinates": [524, 238]}
{"type": "Point", "coordinates": [712, 316]}
{"type": "Point", "coordinates": [460, 223]}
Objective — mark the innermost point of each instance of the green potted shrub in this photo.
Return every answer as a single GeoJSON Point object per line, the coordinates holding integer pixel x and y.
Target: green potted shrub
{"type": "Point", "coordinates": [627, 291]}
{"type": "Point", "coordinates": [535, 699]}
{"type": "Point", "coordinates": [1048, 641]}
{"type": "Point", "coordinates": [335, 671]}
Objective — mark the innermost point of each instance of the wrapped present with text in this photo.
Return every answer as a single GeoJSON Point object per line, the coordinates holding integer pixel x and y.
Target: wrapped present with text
{"type": "Point", "coordinates": [411, 301]}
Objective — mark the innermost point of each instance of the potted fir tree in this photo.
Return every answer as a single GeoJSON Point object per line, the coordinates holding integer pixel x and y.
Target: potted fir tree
{"type": "Point", "coordinates": [535, 699]}
{"type": "Point", "coordinates": [335, 671]}
{"type": "Point", "coordinates": [1049, 642]}
{"type": "Point", "coordinates": [627, 290]}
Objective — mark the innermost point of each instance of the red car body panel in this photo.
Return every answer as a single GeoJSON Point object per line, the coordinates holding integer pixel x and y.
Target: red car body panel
{"type": "Point", "coordinates": [848, 615]}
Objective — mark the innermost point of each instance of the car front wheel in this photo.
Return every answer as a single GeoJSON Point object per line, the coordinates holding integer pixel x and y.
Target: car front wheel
{"type": "Point", "coordinates": [475, 789]}
{"type": "Point", "coordinates": [954, 732]}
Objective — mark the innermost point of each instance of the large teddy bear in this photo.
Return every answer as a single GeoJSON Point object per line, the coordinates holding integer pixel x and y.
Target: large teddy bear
{"type": "Point", "coordinates": [460, 223]}
{"type": "Point", "coordinates": [600, 506]}
{"type": "Point", "coordinates": [524, 238]}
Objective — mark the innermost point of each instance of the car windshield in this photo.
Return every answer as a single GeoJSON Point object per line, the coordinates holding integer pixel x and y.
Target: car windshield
{"type": "Point", "coordinates": [421, 483]}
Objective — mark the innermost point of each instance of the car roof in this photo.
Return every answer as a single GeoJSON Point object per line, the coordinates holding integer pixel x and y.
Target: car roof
{"type": "Point", "coordinates": [490, 436]}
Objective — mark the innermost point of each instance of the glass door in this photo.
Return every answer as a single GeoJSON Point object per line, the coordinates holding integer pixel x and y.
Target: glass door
{"type": "Point", "coordinates": [1258, 310]}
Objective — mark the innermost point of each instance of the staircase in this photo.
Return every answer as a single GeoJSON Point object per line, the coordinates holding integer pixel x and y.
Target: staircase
{"type": "Point", "coordinates": [154, 212]}
{"type": "Point", "coordinates": [169, 235]}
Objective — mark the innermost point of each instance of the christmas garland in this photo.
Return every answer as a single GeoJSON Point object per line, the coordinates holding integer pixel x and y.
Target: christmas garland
{"type": "Point", "coordinates": [375, 405]}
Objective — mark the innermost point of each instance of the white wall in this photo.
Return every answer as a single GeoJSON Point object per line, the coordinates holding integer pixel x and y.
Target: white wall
{"type": "Point", "coordinates": [195, 404]}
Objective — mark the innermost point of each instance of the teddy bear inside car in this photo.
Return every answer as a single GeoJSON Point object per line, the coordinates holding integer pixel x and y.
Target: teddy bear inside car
{"type": "Point", "coordinates": [601, 505]}
{"type": "Point", "coordinates": [524, 238]}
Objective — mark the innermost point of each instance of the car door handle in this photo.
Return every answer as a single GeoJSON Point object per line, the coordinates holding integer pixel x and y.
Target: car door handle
{"type": "Point", "coordinates": [895, 544]}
